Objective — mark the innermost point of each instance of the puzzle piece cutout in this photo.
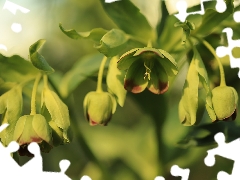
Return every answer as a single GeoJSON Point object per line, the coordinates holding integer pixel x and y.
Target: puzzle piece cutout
{"type": "Point", "coordinates": [177, 171]}
{"type": "Point", "coordinates": [222, 51]}
{"type": "Point", "coordinates": [182, 9]}
{"type": "Point", "coordinates": [227, 150]}
{"type": "Point", "coordinates": [15, 27]}
{"type": "Point", "coordinates": [33, 169]}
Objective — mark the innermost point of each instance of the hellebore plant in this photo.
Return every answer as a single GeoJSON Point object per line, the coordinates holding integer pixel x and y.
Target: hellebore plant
{"type": "Point", "coordinates": [147, 68]}
{"type": "Point", "coordinates": [224, 98]}
{"type": "Point", "coordinates": [98, 105]}
{"type": "Point", "coordinates": [32, 128]}
{"type": "Point", "coordinates": [221, 102]}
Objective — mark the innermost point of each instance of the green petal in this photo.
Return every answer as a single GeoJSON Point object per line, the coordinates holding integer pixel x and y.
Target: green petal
{"type": "Point", "coordinates": [148, 50]}
{"type": "Point", "coordinates": [134, 80]}
{"type": "Point", "coordinates": [158, 83]}
{"type": "Point", "coordinates": [127, 59]}
{"type": "Point", "coordinates": [19, 127]}
{"type": "Point", "coordinates": [41, 127]}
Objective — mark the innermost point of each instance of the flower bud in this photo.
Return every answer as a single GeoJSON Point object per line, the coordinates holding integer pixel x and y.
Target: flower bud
{"type": "Point", "coordinates": [99, 107]}
{"type": "Point", "coordinates": [225, 99]}
{"type": "Point", "coordinates": [32, 128]}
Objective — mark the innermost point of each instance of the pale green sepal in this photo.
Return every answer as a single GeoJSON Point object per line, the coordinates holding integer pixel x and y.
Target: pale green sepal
{"type": "Point", "coordinates": [115, 79]}
{"type": "Point", "coordinates": [127, 59]}
{"type": "Point", "coordinates": [57, 109]}
{"type": "Point", "coordinates": [41, 127]}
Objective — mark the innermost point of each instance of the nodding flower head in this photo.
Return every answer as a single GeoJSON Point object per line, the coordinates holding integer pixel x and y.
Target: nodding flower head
{"type": "Point", "coordinates": [147, 68]}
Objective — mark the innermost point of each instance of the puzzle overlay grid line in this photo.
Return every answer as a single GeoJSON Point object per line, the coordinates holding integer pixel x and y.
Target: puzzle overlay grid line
{"type": "Point", "coordinates": [8, 165]}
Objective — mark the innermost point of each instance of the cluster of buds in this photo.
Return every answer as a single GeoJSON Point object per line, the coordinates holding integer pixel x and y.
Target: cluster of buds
{"type": "Point", "coordinates": [146, 68]}
{"type": "Point", "coordinates": [48, 127]}
{"type": "Point", "coordinates": [221, 102]}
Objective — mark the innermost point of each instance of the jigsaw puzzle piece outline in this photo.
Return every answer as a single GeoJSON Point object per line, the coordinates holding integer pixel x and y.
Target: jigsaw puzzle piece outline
{"type": "Point", "coordinates": [181, 6]}
{"type": "Point", "coordinates": [222, 51]}
{"type": "Point", "coordinates": [228, 151]}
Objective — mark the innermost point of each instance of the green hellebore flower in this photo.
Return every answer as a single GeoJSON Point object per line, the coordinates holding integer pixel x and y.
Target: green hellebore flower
{"type": "Point", "coordinates": [225, 100]}
{"type": "Point", "coordinates": [32, 128]}
{"type": "Point", "coordinates": [147, 68]}
{"type": "Point", "coordinates": [99, 107]}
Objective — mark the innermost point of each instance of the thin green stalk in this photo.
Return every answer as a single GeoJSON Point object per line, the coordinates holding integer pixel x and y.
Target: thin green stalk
{"type": "Point", "coordinates": [211, 49]}
{"type": "Point", "coordinates": [34, 93]}
{"type": "Point", "coordinates": [100, 74]}
{"type": "Point", "coordinates": [45, 81]}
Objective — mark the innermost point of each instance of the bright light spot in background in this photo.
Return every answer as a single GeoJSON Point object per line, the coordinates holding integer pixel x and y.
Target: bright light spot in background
{"type": "Point", "coordinates": [85, 178]}
{"type": "Point", "coordinates": [2, 46]}
{"type": "Point", "coordinates": [16, 27]}
{"type": "Point", "coordinates": [159, 178]}
{"type": "Point", "coordinates": [110, 1]}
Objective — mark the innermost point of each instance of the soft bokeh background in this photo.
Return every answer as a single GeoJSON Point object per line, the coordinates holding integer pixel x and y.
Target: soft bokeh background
{"type": "Point", "coordinates": [141, 140]}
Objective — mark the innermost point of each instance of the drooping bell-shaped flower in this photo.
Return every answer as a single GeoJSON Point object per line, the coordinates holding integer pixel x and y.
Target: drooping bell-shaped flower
{"type": "Point", "coordinates": [32, 128]}
{"type": "Point", "coordinates": [147, 68]}
{"type": "Point", "coordinates": [99, 107]}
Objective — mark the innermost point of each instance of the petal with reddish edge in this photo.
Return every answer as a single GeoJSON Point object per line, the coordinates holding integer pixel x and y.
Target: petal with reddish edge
{"type": "Point", "coordinates": [134, 80]}
{"type": "Point", "coordinates": [93, 123]}
{"type": "Point", "coordinates": [158, 84]}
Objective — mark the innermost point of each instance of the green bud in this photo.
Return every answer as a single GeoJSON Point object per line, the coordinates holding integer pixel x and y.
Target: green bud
{"type": "Point", "coordinates": [99, 107]}
{"type": "Point", "coordinates": [32, 128]}
{"type": "Point", "coordinates": [147, 68]}
{"type": "Point", "coordinates": [225, 100]}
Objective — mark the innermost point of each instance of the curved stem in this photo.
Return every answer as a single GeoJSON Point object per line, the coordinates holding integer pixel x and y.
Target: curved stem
{"type": "Point", "coordinates": [211, 49]}
{"type": "Point", "coordinates": [34, 93]}
{"type": "Point", "coordinates": [100, 74]}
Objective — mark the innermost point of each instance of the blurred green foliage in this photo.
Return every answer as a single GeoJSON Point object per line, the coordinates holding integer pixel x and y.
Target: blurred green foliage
{"type": "Point", "coordinates": [145, 137]}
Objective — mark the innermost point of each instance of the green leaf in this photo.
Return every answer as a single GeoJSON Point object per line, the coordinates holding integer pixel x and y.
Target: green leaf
{"type": "Point", "coordinates": [95, 34]}
{"type": "Point", "coordinates": [11, 109]}
{"type": "Point", "coordinates": [57, 109]}
{"type": "Point", "coordinates": [128, 18]}
{"type": "Point", "coordinates": [170, 38]}
{"type": "Point", "coordinates": [211, 19]}
{"type": "Point", "coordinates": [189, 101]}
{"type": "Point", "coordinates": [16, 69]}
{"type": "Point", "coordinates": [81, 70]}
{"type": "Point", "coordinates": [11, 101]}
{"type": "Point", "coordinates": [37, 59]}
{"type": "Point", "coordinates": [112, 43]}
{"type": "Point", "coordinates": [115, 79]}
{"type": "Point", "coordinates": [203, 77]}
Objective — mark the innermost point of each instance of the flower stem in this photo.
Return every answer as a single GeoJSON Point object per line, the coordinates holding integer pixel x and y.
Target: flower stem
{"type": "Point", "coordinates": [211, 49]}
{"type": "Point", "coordinates": [100, 74]}
{"type": "Point", "coordinates": [34, 93]}
{"type": "Point", "coordinates": [45, 81]}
